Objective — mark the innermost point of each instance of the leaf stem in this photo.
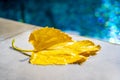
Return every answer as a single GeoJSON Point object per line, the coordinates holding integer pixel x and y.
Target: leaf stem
{"type": "Point", "coordinates": [21, 50]}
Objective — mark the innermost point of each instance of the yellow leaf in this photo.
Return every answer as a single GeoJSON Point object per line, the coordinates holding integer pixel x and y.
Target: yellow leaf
{"type": "Point", "coordinates": [51, 46]}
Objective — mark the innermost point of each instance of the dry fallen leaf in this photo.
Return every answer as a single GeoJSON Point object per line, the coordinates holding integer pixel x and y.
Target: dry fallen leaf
{"type": "Point", "coordinates": [51, 46]}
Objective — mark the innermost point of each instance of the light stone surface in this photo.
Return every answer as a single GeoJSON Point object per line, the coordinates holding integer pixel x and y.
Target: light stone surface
{"type": "Point", "coordinates": [9, 28]}
{"type": "Point", "coordinates": [14, 65]}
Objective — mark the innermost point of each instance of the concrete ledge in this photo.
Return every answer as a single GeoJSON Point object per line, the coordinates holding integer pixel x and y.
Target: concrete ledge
{"type": "Point", "coordinates": [9, 28]}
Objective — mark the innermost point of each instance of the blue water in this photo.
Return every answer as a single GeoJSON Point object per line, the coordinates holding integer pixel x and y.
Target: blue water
{"type": "Point", "coordinates": [98, 19]}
